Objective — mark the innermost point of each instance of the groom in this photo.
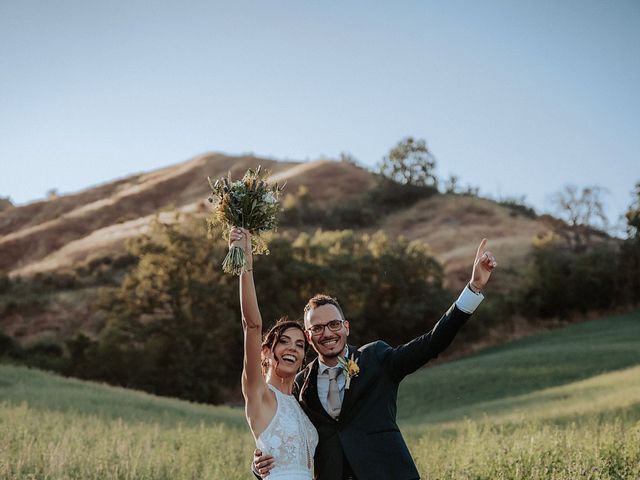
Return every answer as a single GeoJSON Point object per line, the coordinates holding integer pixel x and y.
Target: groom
{"type": "Point", "coordinates": [356, 415]}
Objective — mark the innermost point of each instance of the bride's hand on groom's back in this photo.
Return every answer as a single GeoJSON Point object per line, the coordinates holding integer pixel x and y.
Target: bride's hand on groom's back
{"type": "Point", "coordinates": [262, 464]}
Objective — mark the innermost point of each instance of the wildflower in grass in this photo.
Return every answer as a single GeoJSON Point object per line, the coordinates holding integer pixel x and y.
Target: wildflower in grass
{"type": "Point", "coordinates": [250, 203]}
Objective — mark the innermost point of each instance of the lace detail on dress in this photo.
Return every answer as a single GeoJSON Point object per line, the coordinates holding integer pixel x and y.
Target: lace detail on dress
{"type": "Point", "coordinates": [291, 438]}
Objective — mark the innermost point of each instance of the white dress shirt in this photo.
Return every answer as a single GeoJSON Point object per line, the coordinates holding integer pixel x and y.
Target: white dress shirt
{"type": "Point", "coordinates": [469, 300]}
{"type": "Point", "coordinates": [323, 381]}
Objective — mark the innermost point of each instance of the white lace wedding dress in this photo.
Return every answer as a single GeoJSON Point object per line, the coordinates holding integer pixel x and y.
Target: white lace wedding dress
{"type": "Point", "coordinates": [291, 438]}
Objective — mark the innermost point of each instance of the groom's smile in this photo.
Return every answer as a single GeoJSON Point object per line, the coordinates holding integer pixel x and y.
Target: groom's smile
{"type": "Point", "coordinates": [327, 331]}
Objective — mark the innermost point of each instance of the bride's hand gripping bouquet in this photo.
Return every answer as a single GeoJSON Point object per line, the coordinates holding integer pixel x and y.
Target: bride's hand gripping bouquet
{"type": "Point", "coordinates": [250, 203]}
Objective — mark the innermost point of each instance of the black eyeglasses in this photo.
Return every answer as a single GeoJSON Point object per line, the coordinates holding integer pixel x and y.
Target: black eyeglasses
{"type": "Point", "coordinates": [318, 328]}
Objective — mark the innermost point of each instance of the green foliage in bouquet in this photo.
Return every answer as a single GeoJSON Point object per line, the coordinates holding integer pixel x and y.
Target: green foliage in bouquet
{"type": "Point", "coordinates": [250, 203]}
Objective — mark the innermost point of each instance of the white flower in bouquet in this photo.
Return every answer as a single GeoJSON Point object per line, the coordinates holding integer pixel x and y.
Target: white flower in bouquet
{"type": "Point", "coordinates": [269, 197]}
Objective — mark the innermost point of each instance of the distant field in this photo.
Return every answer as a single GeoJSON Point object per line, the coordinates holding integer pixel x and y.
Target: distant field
{"type": "Point", "coordinates": [561, 405]}
{"type": "Point", "coordinates": [468, 387]}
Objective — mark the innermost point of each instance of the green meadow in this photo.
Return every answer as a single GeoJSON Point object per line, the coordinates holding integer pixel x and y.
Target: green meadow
{"type": "Point", "coordinates": [564, 404]}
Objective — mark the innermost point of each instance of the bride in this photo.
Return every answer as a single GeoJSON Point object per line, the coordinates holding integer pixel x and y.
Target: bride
{"type": "Point", "coordinates": [278, 424]}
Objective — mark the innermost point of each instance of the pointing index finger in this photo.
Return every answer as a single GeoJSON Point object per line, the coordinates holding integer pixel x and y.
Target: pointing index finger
{"type": "Point", "coordinates": [481, 248]}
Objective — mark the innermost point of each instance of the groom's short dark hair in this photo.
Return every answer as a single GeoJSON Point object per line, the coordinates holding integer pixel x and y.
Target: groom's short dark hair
{"type": "Point", "coordinates": [322, 299]}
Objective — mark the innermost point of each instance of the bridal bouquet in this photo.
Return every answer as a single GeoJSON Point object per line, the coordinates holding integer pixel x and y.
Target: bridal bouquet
{"type": "Point", "coordinates": [249, 203]}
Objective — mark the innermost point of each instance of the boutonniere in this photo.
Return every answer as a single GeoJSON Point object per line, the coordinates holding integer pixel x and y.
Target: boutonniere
{"type": "Point", "coordinates": [350, 368]}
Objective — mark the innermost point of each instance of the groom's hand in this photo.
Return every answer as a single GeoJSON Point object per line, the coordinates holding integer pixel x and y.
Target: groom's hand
{"type": "Point", "coordinates": [483, 265]}
{"type": "Point", "coordinates": [262, 464]}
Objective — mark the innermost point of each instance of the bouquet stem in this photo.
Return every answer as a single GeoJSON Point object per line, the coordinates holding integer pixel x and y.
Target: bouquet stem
{"type": "Point", "coordinates": [235, 261]}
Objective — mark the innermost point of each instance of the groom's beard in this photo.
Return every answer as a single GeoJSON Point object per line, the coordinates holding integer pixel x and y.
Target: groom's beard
{"type": "Point", "coordinates": [334, 351]}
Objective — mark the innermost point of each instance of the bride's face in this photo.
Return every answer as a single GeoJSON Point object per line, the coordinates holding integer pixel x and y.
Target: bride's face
{"type": "Point", "coordinates": [289, 352]}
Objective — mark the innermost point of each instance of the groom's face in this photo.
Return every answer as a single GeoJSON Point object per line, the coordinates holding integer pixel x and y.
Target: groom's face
{"type": "Point", "coordinates": [328, 344]}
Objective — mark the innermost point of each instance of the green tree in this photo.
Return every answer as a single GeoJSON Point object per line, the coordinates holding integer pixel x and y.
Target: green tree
{"type": "Point", "coordinates": [629, 258]}
{"type": "Point", "coordinates": [633, 215]}
{"type": "Point", "coordinates": [410, 162]}
{"type": "Point", "coordinates": [561, 281]}
{"type": "Point", "coordinates": [173, 321]}
{"type": "Point", "coordinates": [389, 289]}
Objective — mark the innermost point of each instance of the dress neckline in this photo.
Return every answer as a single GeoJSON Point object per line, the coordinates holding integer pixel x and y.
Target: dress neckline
{"type": "Point", "coordinates": [275, 389]}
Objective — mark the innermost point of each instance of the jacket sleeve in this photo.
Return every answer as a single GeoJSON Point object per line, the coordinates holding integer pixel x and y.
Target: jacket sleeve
{"type": "Point", "coordinates": [405, 359]}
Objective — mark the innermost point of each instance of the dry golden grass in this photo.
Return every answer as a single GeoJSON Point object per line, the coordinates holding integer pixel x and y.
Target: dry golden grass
{"type": "Point", "coordinates": [39, 230]}
{"type": "Point", "coordinates": [454, 225]}
{"type": "Point", "coordinates": [69, 230]}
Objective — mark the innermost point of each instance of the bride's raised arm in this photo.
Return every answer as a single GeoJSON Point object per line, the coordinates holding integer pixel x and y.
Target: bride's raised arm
{"type": "Point", "coordinates": [253, 383]}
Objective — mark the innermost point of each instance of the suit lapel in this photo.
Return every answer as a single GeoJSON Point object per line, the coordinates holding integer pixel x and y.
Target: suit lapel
{"type": "Point", "coordinates": [308, 397]}
{"type": "Point", "coordinates": [349, 394]}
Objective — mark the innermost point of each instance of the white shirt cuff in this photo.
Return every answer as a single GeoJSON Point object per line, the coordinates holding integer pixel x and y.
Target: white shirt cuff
{"type": "Point", "coordinates": [468, 300]}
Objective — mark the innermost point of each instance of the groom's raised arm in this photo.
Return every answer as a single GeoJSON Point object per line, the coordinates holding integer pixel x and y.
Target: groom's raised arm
{"type": "Point", "coordinates": [407, 358]}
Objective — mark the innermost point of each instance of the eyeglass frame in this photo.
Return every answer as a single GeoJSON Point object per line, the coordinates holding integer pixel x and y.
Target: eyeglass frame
{"type": "Point", "coordinates": [325, 325]}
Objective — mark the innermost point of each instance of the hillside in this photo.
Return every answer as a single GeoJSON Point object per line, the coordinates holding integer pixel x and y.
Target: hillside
{"type": "Point", "coordinates": [543, 407]}
{"type": "Point", "coordinates": [71, 231]}
{"type": "Point", "coordinates": [65, 232]}
{"type": "Point", "coordinates": [527, 373]}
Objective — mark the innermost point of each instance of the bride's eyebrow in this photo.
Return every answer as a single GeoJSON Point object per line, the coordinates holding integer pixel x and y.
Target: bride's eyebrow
{"type": "Point", "coordinates": [287, 337]}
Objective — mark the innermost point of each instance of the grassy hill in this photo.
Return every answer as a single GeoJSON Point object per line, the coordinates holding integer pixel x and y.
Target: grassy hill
{"type": "Point", "coordinates": [522, 369]}
{"type": "Point", "coordinates": [87, 231]}
{"type": "Point", "coordinates": [63, 232]}
{"type": "Point", "coordinates": [563, 404]}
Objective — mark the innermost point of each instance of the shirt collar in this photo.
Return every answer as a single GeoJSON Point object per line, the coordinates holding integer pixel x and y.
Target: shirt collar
{"type": "Point", "coordinates": [322, 368]}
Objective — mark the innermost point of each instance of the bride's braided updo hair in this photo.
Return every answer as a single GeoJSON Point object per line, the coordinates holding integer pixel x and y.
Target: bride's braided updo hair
{"type": "Point", "coordinates": [273, 335]}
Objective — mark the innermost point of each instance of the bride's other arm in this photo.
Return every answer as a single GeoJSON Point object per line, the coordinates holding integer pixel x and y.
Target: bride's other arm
{"type": "Point", "coordinates": [254, 387]}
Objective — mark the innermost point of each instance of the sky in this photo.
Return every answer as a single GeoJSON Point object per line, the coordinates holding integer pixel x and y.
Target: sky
{"type": "Point", "coordinates": [518, 98]}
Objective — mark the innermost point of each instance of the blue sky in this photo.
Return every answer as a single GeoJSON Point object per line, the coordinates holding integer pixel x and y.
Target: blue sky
{"type": "Point", "coordinates": [518, 98]}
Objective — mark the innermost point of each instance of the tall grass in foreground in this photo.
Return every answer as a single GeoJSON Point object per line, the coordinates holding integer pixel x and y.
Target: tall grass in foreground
{"type": "Point", "coordinates": [37, 444]}
{"type": "Point", "coordinates": [532, 450]}
{"type": "Point", "coordinates": [562, 405]}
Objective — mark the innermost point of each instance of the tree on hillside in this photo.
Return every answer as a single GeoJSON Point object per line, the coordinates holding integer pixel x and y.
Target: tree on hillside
{"type": "Point", "coordinates": [583, 212]}
{"type": "Point", "coordinates": [410, 162]}
{"type": "Point", "coordinates": [633, 215]}
{"type": "Point", "coordinates": [172, 325]}
{"type": "Point", "coordinates": [452, 184]}
{"type": "Point", "coordinates": [346, 157]}
{"type": "Point", "coordinates": [630, 252]}
{"type": "Point", "coordinates": [5, 202]}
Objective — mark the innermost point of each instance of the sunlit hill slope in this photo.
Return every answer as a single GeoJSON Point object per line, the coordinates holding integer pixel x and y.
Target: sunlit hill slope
{"type": "Point", "coordinates": [66, 232]}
